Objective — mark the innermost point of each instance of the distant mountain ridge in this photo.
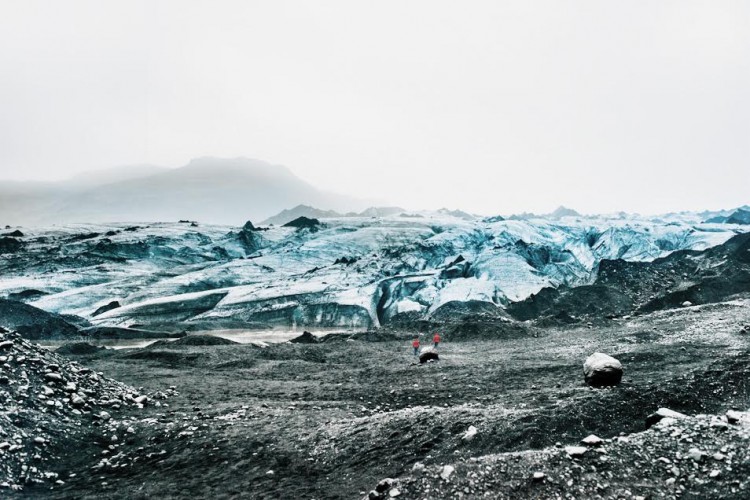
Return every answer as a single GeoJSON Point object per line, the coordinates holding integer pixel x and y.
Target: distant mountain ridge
{"type": "Point", "coordinates": [309, 212]}
{"type": "Point", "coordinates": [208, 189]}
{"type": "Point", "coordinates": [559, 213]}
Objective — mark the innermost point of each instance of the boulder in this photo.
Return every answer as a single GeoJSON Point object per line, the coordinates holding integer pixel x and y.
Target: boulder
{"type": "Point", "coordinates": [601, 370]}
{"type": "Point", "coordinates": [428, 354]}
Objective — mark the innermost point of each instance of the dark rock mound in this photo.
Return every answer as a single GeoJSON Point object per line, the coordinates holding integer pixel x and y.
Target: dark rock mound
{"type": "Point", "coordinates": [24, 295]}
{"type": "Point", "coordinates": [428, 354]}
{"type": "Point", "coordinates": [375, 336]}
{"type": "Point", "coordinates": [601, 370]}
{"type": "Point", "coordinates": [494, 218]}
{"type": "Point", "coordinates": [249, 227]}
{"type": "Point", "coordinates": [305, 338]}
{"type": "Point", "coordinates": [77, 321]}
{"type": "Point", "coordinates": [33, 323]}
{"type": "Point", "coordinates": [250, 239]}
{"type": "Point", "coordinates": [345, 260]}
{"type": "Point", "coordinates": [107, 307]}
{"type": "Point", "coordinates": [457, 310]}
{"type": "Point", "coordinates": [202, 340]}
{"type": "Point", "coordinates": [15, 234]}
{"type": "Point", "coordinates": [114, 332]}
{"type": "Point", "coordinates": [10, 245]}
{"type": "Point", "coordinates": [83, 237]}
{"type": "Point", "coordinates": [459, 268]}
{"type": "Point", "coordinates": [79, 349]}
{"type": "Point", "coordinates": [303, 222]}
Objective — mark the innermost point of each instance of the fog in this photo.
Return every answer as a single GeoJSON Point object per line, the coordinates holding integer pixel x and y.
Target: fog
{"type": "Point", "coordinates": [491, 107]}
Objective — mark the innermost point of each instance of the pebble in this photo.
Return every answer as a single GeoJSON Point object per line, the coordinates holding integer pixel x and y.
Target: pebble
{"type": "Point", "coordinates": [592, 440]}
{"type": "Point", "coordinates": [446, 472]}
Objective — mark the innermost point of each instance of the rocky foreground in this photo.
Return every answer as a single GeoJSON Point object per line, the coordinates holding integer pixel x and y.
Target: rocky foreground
{"type": "Point", "coordinates": [704, 456]}
{"type": "Point", "coordinates": [496, 417]}
{"type": "Point", "coordinates": [48, 404]}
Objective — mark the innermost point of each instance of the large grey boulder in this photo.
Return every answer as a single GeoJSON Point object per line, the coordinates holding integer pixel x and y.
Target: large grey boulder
{"type": "Point", "coordinates": [601, 370]}
{"type": "Point", "coordinates": [428, 354]}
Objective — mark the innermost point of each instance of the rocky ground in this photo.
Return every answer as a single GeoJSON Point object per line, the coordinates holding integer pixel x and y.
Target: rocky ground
{"type": "Point", "coordinates": [495, 417]}
{"type": "Point", "coordinates": [50, 406]}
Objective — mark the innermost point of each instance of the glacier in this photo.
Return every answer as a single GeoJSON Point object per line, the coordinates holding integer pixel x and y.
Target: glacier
{"type": "Point", "coordinates": [348, 272]}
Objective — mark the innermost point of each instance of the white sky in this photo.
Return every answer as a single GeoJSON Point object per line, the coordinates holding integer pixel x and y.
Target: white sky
{"type": "Point", "coordinates": [486, 106]}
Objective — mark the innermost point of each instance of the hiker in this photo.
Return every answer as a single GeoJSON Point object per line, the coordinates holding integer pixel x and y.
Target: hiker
{"type": "Point", "coordinates": [436, 340]}
{"type": "Point", "coordinates": [415, 345]}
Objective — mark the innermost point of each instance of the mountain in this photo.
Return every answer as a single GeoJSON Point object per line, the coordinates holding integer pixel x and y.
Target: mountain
{"type": "Point", "coordinates": [559, 213]}
{"type": "Point", "coordinates": [562, 211]}
{"type": "Point", "coordinates": [213, 190]}
{"type": "Point", "coordinates": [290, 214]}
{"type": "Point", "coordinates": [740, 215]}
{"type": "Point", "coordinates": [380, 211]}
{"type": "Point", "coordinates": [460, 214]}
{"type": "Point", "coordinates": [114, 174]}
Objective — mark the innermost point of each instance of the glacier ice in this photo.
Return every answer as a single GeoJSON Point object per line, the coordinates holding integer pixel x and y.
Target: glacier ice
{"type": "Point", "coordinates": [350, 273]}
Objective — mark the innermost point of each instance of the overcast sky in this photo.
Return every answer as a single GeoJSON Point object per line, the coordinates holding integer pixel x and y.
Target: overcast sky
{"type": "Point", "coordinates": [488, 106]}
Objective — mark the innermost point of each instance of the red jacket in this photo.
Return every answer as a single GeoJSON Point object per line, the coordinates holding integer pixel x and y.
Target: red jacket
{"type": "Point", "coordinates": [415, 343]}
{"type": "Point", "coordinates": [436, 338]}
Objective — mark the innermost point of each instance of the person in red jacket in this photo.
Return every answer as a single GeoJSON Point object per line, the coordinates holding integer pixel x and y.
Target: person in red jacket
{"type": "Point", "coordinates": [436, 340]}
{"type": "Point", "coordinates": [415, 345]}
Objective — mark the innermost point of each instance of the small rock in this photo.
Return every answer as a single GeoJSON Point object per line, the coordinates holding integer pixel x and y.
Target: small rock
{"type": "Point", "coordinates": [446, 472]}
{"type": "Point", "coordinates": [384, 485]}
{"type": "Point", "coordinates": [539, 476]}
{"type": "Point", "coordinates": [592, 440]}
{"type": "Point", "coordinates": [733, 416]}
{"type": "Point", "coordinates": [695, 454]}
{"type": "Point", "coordinates": [394, 493]}
{"type": "Point", "coordinates": [576, 451]}
{"type": "Point", "coordinates": [469, 434]}
{"type": "Point", "coordinates": [714, 474]}
{"type": "Point", "coordinates": [663, 413]}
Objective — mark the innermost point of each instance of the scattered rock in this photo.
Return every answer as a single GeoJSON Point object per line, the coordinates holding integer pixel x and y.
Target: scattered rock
{"type": "Point", "coordinates": [470, 433]}
{"type": "Point", "coordinates": [733, 416]}
{"type": "Point", "coordinates": [592, 440]}
{"type": "Point", "coordinates": [446, 471]}
{"type": "Point", "coordinates": [662, 413]}
{"type": "Point", "coordinates": [576, 451]}
{"type": "Point", "coordinates": [384, 485]}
